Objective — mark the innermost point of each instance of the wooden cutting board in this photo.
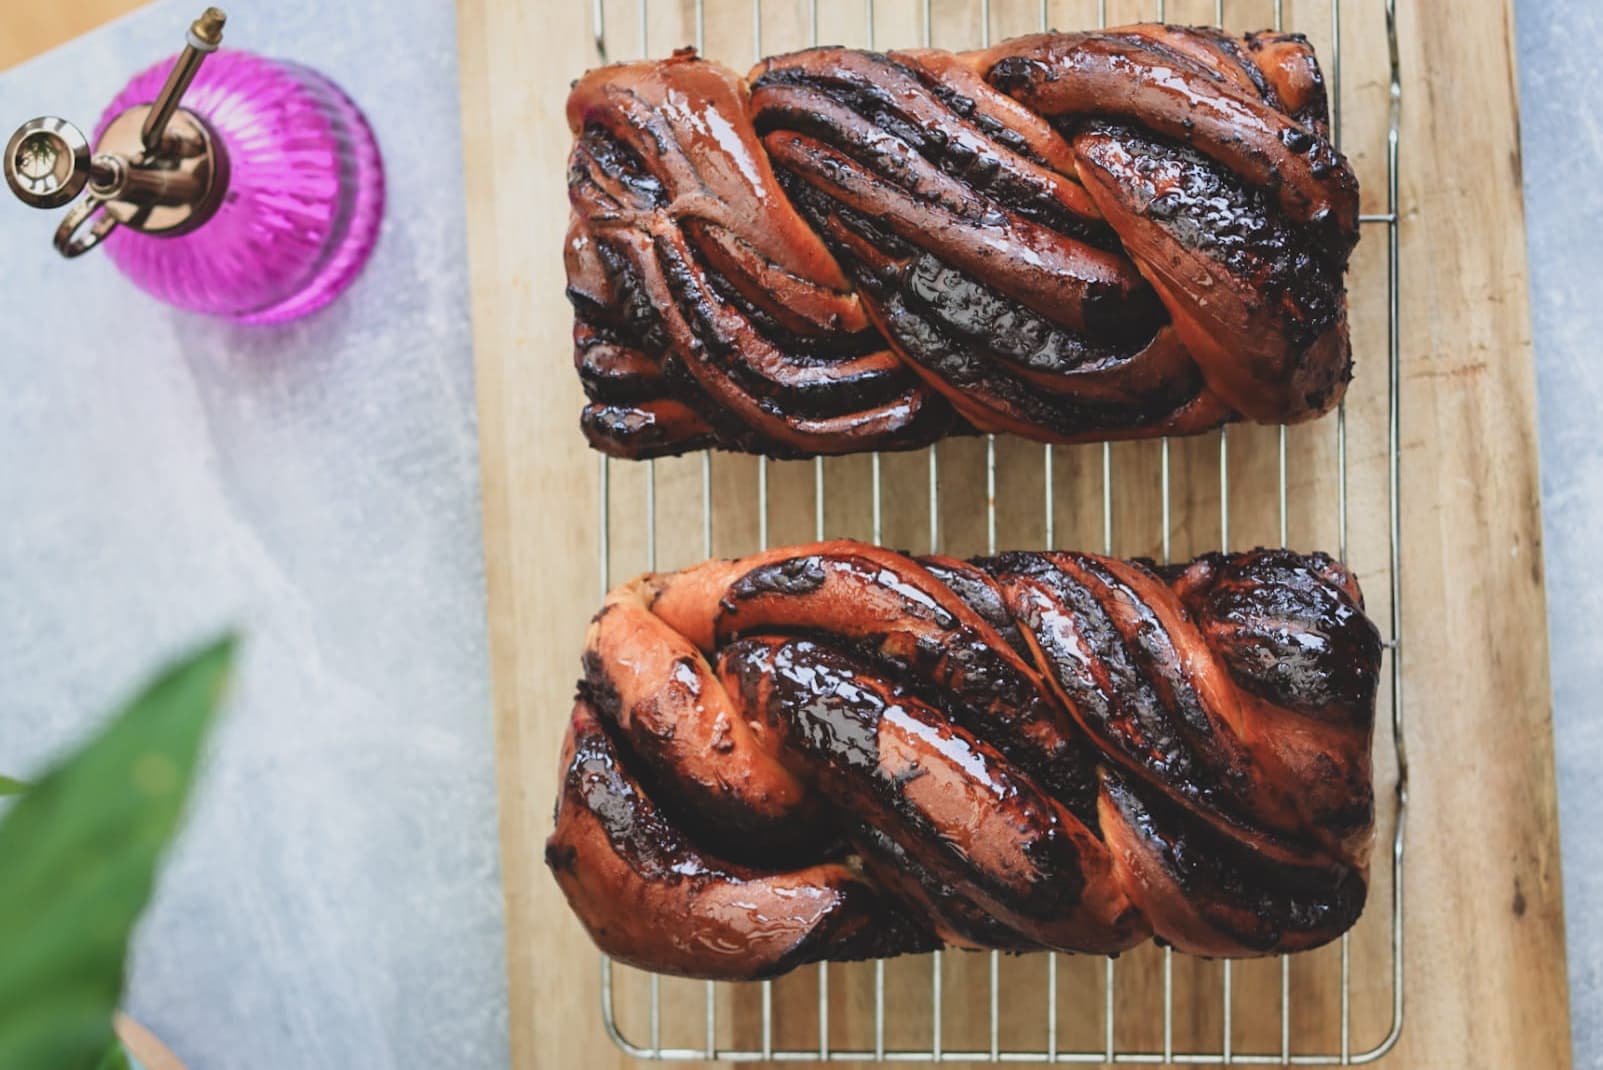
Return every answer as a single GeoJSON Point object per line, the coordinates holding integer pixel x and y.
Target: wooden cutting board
{"type": "Point", "coordinates": [26, 30]}
{"type": "Point", "coordinates": [1484, 976]}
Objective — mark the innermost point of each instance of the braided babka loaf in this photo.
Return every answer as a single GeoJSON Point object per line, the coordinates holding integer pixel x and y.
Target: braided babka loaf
{"type": "Point", "coordinates": [1070, 237]}
{"type": "Point", "coordinates": [838, 751]}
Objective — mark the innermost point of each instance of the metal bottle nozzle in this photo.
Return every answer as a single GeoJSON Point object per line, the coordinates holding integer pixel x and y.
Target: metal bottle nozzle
{"type": "Point", "coordinates": [204, 35]}
{"type": "Point", "coordinates": [159, 168]}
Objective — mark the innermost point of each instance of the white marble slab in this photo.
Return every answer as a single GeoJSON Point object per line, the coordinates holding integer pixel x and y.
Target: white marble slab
{"type": "Point", "coordinates": [335, 903]}
{"type": "Point", "coordinates": [1561, 126]}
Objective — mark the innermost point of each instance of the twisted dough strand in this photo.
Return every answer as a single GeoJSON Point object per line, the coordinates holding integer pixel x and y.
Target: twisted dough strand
{"type": "Point", "coordinates": [839, 751]}
{"type": "Point", "coordinates": [1071, 237]}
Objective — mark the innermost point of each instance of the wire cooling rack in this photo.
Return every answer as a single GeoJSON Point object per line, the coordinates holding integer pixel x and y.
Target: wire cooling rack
{"type": "Point", "coordinates": [727, 1026]}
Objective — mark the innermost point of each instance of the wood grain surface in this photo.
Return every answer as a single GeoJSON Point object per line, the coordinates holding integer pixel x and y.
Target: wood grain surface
{"type": "Point", "coordinates": [1484, 963]}
{"type": "Point", "coordinates": [143, 1045]}
{"type": "Point", "coordinates": [28, 28]}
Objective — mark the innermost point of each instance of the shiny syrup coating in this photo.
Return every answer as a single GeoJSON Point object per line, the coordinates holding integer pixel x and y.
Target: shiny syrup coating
{"type": "Point", "coordinates": [742, 336]}
{"type": "Point", "coordinates": [977, 828]}
{"type": "Point", "coordinates": [653, 899]}
{"type": "Point", "coordinates": [1055, 750]}
{"type": "Point", "coordinates": [1071, 237]}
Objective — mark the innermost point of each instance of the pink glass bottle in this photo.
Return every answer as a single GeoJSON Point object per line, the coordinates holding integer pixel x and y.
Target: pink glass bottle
{"type": "Point", "coordinates": [305, 193]}
{"type": "Point", "coordinates": [247, 187]}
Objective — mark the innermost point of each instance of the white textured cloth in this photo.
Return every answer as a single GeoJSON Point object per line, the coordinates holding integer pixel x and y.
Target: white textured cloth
{"type": "Point", "coordinates": [335, 901]}
{"type": "Point", "coordinates": [1561, 130]}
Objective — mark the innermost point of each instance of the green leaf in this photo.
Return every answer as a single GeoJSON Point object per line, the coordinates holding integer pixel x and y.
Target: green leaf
{"type": "Point", "coordinates": [114, 1058]}
{"type": "Point", "coordinates": [78, 859]}
{"type": "Point", "coordinates": [9, 786]}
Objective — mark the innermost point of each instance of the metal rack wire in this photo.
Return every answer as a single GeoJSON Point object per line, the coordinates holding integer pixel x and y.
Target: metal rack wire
{"type": "Point", "coordinates": [996, 1050]}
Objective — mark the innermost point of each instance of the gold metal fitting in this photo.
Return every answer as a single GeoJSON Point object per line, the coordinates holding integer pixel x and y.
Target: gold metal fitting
{"type": "Point", "coordinates": [159, 168]}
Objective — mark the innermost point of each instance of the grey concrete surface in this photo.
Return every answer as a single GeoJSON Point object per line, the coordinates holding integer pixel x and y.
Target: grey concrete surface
{"type": "Point", "coordinates": [1561, 126]}
{"type": "Point", "coordinates": [335, 903]}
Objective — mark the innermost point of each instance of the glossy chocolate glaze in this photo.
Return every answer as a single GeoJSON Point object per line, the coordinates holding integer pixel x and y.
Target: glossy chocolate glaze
{"type": "Point", "coordinates": [1031, 750]}
{"type": "Point", "coordinates": [1294, 269]}
{"type": "Point", "coordinates": [979, 830]}
{"type": "Point", "coordinates": [1223, 188]}
{"type": "Point", "coordinates": [1132, 75]}
{"type": "Point", "coordinates": [887, 608]}
{"type": "Point", "coordinates": [1291, 629]}
{"type": "Point", "coordinates": [979, 592]}
{"type": "Point", "coordinates": [1145, 682]}
{"type": "Point", "coordinates": [740, 329]}
{"type": "Point", "coordinates": [1113, 678]}
{"type": "Point", "coordinates": [1008, 299]}
{"type": "Point", "coordinates": [955, 919]}
{"type": "Point", "coordinates": [880, 103]}
{"type": "Point", "coordinates": [653, 899]}
{"type": "Point", "coordinates": [1072, 237]}
{"type": "Point", "coordinates": [1216, 899]}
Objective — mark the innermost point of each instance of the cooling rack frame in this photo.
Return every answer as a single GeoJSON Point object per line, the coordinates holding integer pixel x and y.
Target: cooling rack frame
{"type": "Point", "coordinates": [1387, 222]}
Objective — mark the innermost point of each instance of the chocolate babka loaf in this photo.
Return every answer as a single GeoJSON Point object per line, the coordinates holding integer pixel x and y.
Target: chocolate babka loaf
{"type": "Point", "coordinates": [1071, 237]}
{"type": "Point", "coordinates": [838, 751]}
